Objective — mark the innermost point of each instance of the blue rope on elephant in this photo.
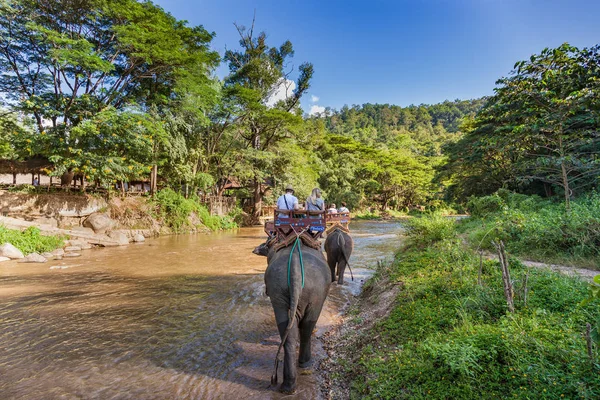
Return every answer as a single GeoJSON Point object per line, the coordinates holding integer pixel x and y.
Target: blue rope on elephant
{"type": "Point", "coordinates": [298, 244]}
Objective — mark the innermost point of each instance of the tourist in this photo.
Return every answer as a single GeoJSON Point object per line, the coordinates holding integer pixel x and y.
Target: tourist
{"type": "Point", "coordinates": [315, 202]}
{"type": "Point", "coordinates": [332, 209]}
{"type": "Point", "coordinates": [343, 209]}
{"type": "Point", "coordinates": [287, 201]}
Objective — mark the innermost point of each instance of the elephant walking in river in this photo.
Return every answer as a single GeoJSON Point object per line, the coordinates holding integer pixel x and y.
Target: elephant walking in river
{"type": "Point", "coordinates": [297, 280]}
{"type": "Point", "coordinates": [338, 247]}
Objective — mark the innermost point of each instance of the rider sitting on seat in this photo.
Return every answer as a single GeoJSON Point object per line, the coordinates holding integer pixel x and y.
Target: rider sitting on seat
{"type": "Point", "coordinates": [343, 209]}
{"type": "Point", "coordinates": [315, 202]}
{"type": "Point", "coordinates": [332, 209]}
{"type": "Point", "coordinates": [287, 201]}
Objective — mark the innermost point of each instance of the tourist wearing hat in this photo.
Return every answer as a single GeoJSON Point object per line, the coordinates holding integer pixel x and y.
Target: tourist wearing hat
{"type": "Point", "coordinates": [287, 201]}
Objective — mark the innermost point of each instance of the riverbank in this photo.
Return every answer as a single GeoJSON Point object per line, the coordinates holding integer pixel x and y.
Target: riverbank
{"type": "Point", "coordinates": [44, 222]}
{"type": "Point", "coordinates": [434, 324]}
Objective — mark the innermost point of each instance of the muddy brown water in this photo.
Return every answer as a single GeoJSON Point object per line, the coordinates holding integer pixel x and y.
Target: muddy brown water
{"type": "Point", "coordinates": [181, 317]}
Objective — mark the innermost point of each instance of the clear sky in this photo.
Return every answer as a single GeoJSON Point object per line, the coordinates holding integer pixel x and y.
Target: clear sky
{"type": "Point", "coordinates": [396, 51]}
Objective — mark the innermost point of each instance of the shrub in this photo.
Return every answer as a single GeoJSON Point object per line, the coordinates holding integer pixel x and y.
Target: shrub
{"type": "Point", "coordinates": [430, 228]}
{"type": "Point", "coordinates": [177, 212]}
{"type": "Point", "coordinates": [30, 240]}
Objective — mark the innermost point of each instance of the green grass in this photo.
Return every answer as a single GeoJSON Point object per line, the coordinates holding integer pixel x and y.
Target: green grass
{"type": "Point", "coordinates": [447, 337]}
{"type": "Point", "coordinates": [30, 240]}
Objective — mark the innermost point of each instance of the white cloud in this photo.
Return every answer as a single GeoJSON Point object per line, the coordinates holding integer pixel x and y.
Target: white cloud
{"type": "Point", "coordinates": [314, 98]}
{"type": "Point", "coordinates": [282, 91]}
{"type": "Point", "coordinates": [316, 110]}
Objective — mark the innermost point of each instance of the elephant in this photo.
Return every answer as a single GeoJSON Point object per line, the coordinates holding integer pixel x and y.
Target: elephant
{"type": "Point", "coordinates": [338, 247]}
{"type": "Point", "coordinates": [297, 301]}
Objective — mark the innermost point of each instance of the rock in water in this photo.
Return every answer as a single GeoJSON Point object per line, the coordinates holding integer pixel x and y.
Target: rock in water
{"type": "Point", "coordinates": [33, 258]}
{"type": "Point", "coordinates": [10, 251]}
{"type": "Point", "coordinates": [99, 222]}
{"type": "Point", "coordinates": [139, 238]}
{"type": "Point", "coordinates": [2, 259]}
{"type": "Point", "coordinates": [120, 237]}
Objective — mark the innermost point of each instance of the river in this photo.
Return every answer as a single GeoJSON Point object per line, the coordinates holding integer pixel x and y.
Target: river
{"type": "Point", "coordinates": [178, 317]}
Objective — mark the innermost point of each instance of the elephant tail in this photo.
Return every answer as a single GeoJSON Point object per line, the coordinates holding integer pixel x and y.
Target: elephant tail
{"type": "Point", "coordinates": [342, 244]}
{"type": "Point", "coordinates": [295, 283]}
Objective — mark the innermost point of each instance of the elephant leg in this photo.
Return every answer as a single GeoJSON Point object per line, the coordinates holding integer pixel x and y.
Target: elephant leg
{"type": "Point", "coordinates": [341, 269]}
{"type": "Point", "coordinates": [332, 263]}
{"type": "Point", "coordinates": [289, 349]}
{"type": "Point", "coordinates": [306, 328]}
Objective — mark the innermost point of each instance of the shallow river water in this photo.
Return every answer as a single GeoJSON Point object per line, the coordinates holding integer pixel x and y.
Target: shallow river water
{"type": "Point", "coordinates": [180, 317]}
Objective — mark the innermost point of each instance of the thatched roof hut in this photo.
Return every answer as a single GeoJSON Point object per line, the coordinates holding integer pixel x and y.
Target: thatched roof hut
{"type": "Point", "coordinates": [33, 165]}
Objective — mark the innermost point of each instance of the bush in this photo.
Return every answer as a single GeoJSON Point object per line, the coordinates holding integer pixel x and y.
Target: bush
{"type": "Point", "coordinates": [30, 240]}
{"type": "Point", "coordinates": [482, 206]}
{"type": "Point", "coordinates": [178, 213]}
{"type": "Point", "coordinates": [538, 228]}
{"type": "Point", "coordinates": [429, 229]}
{"type": "Point", "coordinates": [449, 338]}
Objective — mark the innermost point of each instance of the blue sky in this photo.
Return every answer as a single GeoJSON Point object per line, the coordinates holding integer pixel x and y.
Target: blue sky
{"type": "Point", "coordinates": [400, 52]}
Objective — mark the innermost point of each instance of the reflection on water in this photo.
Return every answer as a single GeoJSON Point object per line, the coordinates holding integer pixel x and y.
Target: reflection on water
{"type": "Point", "coordinates": [174, 318]}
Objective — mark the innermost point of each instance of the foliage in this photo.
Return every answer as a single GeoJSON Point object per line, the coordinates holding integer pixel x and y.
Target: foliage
{"type": "Point", "coordinates": [183, 215]}
{"type": "Point", "coordinates": [448, 337]}
{"type": "Point", "coordinates": [539, 132]}
{"type": "Point", "coordinates": [537, 228]}
{"type": "Point", "coordinates": [30, 240]}
{"type": "Point", "coordinates": [429, 229]}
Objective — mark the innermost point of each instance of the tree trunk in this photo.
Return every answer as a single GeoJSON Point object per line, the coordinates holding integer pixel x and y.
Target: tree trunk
{"type": "Point", "coordinates": [507, 283]}
{"type": "Point", "coordinates": [14, 178]}
{"type": "Point", "coordinates": [257, 202]}
{"type": "Point", "coordinates": [153, 178]}
{"type": "Point", "coordinates": [565, 180]}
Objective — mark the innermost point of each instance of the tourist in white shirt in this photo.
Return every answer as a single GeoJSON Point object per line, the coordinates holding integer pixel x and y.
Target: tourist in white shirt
{"type": "Point", "coordinates": [343, 209]}
{"type": "Point", "coordinates": [332, 209]}
{"type": "Point", "coordinates": [287, 201]}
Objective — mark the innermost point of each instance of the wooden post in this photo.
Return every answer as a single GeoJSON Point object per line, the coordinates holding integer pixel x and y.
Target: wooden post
{"type": "Point", "coordinates": [32, 178]}
{"type": "Point", "coordinates": [508, 287]}
{"type": "Point", "coordinates": [153, 176]}
{"type": "Point", "coordinates": [14, 178]}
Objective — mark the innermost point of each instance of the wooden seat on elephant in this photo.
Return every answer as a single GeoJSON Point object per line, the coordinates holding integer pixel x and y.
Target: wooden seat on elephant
{"type": "Point", "coordinates": [339, 220]}
{"type": "Point", "coordinates": [288, 223]}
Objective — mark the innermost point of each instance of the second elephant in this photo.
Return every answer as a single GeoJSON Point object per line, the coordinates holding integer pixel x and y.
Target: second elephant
{"type": "Point", "coordinates": [338, 247]}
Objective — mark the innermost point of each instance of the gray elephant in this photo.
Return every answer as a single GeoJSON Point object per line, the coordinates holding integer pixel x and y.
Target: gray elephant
{"type": "Point", "coordinates": [338, 247]}
{"type": "Point", "coordinates": [297, 286]}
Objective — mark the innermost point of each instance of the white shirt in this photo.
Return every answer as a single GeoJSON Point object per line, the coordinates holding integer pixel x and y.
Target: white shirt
{"type": "Point", "coordinates": [292, 203]}
{"type": "Point", "coordinates": [343, 210]}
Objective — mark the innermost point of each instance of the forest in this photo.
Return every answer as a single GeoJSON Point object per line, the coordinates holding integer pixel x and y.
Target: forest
{"type": "Point", "coordinates": [120, 91]}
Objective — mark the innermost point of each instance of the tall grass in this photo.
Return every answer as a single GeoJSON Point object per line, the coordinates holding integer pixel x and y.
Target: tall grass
{"type": "Point", "coordinates": [448, 337]}
{"type": "Point", "coordinates": [537, 228]}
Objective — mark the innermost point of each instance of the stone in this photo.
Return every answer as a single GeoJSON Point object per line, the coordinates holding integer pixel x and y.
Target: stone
{"type": "Point", "coordinates": [2, 259]}
{"type": "Point", "coordinates": [83, 230]}
{"type": "Point", "coordinates": [139, 238]}
{"type": "Point", "coordinates": [72, 249]}
{"type": "Point", "coordinates": [99, 222]}
{"type": "Point", "coordinates": [72, 255]}
{"type": "Point", "coordinates": [48, 255]}
{"type": "Point", "coordinates": [82, 244]}
{"type": "Point", "coordinates": [10, 251]}
{"type": "Point", "coordinates": [58, 252]}
{"type": "Point", "coordinates": [120, 237]}
{"type": "Point", "coordinates": [33, 258]}
{"type": "Point", "coordinates": [46, 221]}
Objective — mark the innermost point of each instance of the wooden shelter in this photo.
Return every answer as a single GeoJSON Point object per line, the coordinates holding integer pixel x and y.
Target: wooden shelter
{"type": "Point", "coordinates": [35, 166]}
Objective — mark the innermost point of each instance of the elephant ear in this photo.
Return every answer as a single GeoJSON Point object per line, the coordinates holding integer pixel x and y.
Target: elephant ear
{"type": "Point", "coordinates": [261, 250]}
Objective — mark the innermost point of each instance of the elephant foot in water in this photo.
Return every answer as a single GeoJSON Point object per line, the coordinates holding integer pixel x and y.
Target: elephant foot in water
{"type": "Point", "coordinates": [287, 388]}
{"type": "Point", "coordinates": [305, 364]}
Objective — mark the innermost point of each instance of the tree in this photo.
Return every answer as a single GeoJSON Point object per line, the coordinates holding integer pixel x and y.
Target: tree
{"type": "Point", "coordinates": [257, 75]}
{"type": "Point", "coordinates": [63, 62]}
{"type": "Point", "coordinates": [541, 125]}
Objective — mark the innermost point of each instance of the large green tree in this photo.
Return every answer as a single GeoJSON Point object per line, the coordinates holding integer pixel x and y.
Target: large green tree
{"type": "Point", "coordinates": [63, 62]}
{"type": "Point", "coordinates": [258, 75]}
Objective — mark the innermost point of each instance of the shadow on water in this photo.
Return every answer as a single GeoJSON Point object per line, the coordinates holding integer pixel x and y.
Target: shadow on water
{"type": "Point", "coordinates": [157, 322]}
